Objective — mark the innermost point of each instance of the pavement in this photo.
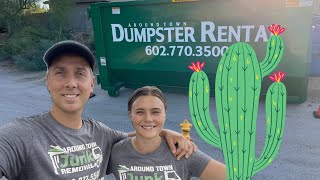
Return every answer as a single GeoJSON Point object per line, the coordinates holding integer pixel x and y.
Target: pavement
{"type": "Point", "coordinates": [24, 94]}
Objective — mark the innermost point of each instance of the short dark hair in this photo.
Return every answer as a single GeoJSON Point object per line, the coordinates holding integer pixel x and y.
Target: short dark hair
{"type": "Point", "coordinates": [146, 91]}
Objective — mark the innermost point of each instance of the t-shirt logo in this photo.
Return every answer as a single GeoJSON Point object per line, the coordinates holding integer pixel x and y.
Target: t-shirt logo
{"type": "Point", "coordinates": [76, 158]}
{"type": "Point", "coordinates": [149, 173]}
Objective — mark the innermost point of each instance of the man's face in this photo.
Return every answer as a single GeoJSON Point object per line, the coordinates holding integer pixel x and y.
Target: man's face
{"type": "Point", "coordinates": [70, 83]}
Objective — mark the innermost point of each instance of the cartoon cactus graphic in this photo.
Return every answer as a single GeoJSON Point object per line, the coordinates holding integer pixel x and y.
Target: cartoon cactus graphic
{"type": "Point", "coordinates": [237, 91]}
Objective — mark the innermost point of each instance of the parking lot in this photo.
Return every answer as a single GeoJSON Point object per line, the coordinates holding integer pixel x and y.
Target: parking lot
{"type": "Point", "coordinates": [315, 57]}
{"type": "Point", "coordinates": [25, 94]}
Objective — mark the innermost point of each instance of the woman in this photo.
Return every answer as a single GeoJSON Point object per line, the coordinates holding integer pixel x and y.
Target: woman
{"type": "Point", "coordinates": [146, 156]}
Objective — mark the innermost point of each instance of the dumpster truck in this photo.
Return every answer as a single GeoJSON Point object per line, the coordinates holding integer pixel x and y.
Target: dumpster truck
{"type": "Point", "coordinates": [152, 42]}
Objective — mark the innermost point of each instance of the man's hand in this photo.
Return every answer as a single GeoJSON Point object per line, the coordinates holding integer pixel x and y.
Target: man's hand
{"type": "Point", "coordinates": [185, 147]}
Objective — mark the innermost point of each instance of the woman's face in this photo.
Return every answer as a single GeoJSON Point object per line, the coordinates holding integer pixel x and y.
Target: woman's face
{"type": "Point", "coordinates": [148, 115]}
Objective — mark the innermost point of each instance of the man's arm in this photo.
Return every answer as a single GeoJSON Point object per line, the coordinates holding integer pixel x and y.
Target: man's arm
{"type": "Point", "coordinates": [13, 149]}
{"type": "Point", "coordinates": [131, 134]}
{"type": "Point", "coordinates": [185, 147]}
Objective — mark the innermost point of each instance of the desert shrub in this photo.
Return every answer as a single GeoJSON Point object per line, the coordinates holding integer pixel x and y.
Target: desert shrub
{"type": "Point", "coordinates": [27, 47]}
{"type": "Point", "coordinates": [21, 41]}
{"type": "Point", "coordinates": [84, 38]}
{"type": "Point", "coordinates": [32, 58]}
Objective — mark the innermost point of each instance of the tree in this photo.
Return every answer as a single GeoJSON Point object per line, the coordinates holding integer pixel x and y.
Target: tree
{"type": "Point", "coordinates": [12, 13]}
{"type": "Point", "coordinates": [59, 15]}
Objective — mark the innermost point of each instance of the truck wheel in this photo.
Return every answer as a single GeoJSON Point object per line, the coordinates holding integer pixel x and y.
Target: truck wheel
{"type": "Point", "coordinates": [113, 93]}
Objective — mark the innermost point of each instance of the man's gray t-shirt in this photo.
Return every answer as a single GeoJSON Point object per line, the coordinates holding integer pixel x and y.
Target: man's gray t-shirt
{"type": "Point", "coordinates": [39, 147]}
{"type": "Point", "coordinates": [127, 163]}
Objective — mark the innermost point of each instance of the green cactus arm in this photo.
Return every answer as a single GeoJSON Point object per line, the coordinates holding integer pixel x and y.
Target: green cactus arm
{"type": "Point", "coordinates": [275, 120]}
{"type": "Point", "coordinates": [199, 96]}
{"type": "Point", "coordinates": [273, 56]}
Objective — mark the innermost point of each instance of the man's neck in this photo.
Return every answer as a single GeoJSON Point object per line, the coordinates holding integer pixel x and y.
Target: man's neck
{"type": "Point", "coordinates": [67, 119]}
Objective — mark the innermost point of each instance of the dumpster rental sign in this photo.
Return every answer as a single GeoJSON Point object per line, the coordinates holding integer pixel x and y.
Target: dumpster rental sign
{"type": "Point", "coordinates": [173, 37]}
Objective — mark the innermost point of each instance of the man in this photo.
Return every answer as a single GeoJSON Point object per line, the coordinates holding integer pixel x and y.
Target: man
{"type": "Point", "coordinates": [60, 144]}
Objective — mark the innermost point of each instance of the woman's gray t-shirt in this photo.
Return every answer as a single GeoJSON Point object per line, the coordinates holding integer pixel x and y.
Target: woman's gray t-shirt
{"type": "Point", "coordinates": [128, 164]}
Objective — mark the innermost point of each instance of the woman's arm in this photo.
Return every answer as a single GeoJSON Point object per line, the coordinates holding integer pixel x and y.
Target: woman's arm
{"type": "Point", "coordinates": [214, 170]}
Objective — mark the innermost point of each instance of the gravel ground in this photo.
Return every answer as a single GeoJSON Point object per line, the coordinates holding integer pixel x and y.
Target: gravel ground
{"type": "Point", "coordinates": [25, 93]}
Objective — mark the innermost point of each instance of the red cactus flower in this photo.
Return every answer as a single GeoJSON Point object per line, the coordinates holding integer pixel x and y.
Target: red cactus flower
{"type": "Point", "coordinates": [277, 77]}
{"type": "Point", "coordinates": [196, 67]}
{"type": "Point", "coordinates": [276, 30]}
